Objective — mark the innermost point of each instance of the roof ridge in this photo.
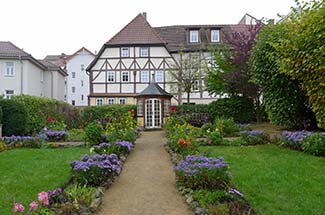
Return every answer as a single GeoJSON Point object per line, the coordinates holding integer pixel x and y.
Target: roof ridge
{"type": "Point", "coordinates": [18, 48]}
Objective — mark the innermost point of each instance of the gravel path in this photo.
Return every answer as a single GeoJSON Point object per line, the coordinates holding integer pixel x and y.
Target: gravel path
{"type": "Point", "coordinates": [147, 182]}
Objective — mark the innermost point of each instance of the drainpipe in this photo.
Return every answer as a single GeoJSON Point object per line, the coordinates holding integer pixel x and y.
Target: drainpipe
{"type": "Point", "coordinates": [52, 84]}
{"type": "Point", "coordinates": [21, 75]}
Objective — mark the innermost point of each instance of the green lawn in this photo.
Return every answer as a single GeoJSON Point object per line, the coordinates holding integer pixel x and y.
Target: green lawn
{"type": "Point", "coordinates": [276, 180]}
{"type": "Point", "coordinates": [26, 172]}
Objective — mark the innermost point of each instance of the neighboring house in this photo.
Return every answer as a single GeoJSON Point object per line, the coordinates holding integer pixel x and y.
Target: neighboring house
{"type": "Point", "coordinates": [126, 63]}
{"type": "Point", "coordinates": [20, 73]}
{"type": "Point", "coordinates": [77, 82]}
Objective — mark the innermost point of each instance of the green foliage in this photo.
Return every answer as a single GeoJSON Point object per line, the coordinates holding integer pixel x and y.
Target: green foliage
{"type": "Point", "coordinates": [285, 103]}
{"type": "Point", "coordinates": [214, 138]}
{"type": "Point", "coordinates": [76, 135]}
{"type": "Point", "coordinates": [197, 115]}
{"type": "Point", "coordinates": [80, 195]}
{"type": "Point", "coordinates": [99, 113]}
{"type": "Point", "coordinates": [254, 137]}
{"type": "Point", "coordinates": [302, 53]}
{"type": "Point", "coordinates": [315, 144]}
{"type": "Point", "coordinates": [0, 114]}
{"type": "Point", "coordinates": [94, 132]}
{"type": "Point", "coordinates": [15, 119]}
{"type": "Point", "coordinates": [239, 108]}
{"type": "Point", "coordinates": [41, 109]}
{"type": "Point", "coordinates": [227, 127]}
{"type": "Point", "coordinates": [206, 197]}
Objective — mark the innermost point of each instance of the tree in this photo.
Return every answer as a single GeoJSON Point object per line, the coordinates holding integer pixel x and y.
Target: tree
{"type": "Point", "coordinates": [231, 74]}
{"type": "Point", "coordinates": [188, 74]}
{"type": "Point", "coordinates": [285, 102]}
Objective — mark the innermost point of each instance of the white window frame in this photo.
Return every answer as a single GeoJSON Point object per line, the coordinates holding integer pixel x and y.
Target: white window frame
{"type": "Point", "coordinates": [73, 74]}
{"type": "Point", "coordinates": [144, 51]}
{"type": "Point", "coordinates": [82, 67]}
{"type": "Point", "coordinates": [9, 95]}
{"type": "Point", "coordinates": [82, 83]}
{"type": "Point", "coordinates": [120, 100]}
{"type": "Point", "coordinates": [159, 78]}
{"type": "Point", "coordinates": [128, 76]}
{"type": "Point", "coordinates": [215, 36]}
{"type": "Point", "coordinates": [42, 76]}
{"type": "Point", "coordinates": [100, 101]}
{"type": "Point", "coordinates": [10, 70]}
{"type": "Point", "coordinates": [110, 74]}
{"type": "Point", "coordinates": [111, 101]}
{"type": "Point", "coordinates": [140, 107]}
{"type": "Point", "coordinates": [144, 76]}
{"type": "Point", "coordinates": [125, 52]}
{"type": "Point", "coordinates": [196, 86]}
{"type": "Point", "coordinates": [194, 36]}
{"type": "Point", "coordinates": [82, 97]}
{"type": "Point", "coordinates": [73, 89]}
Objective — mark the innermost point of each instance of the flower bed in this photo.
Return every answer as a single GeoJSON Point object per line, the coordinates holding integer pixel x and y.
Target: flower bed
{"type": "Point", "coordinates": [55, 136]}
{"type": "Point", "coordinates": [22, 141]}
{"type": "Point", "coordinates": [119, 148]}
{"type": "Point", "coordinates": [255, 137]}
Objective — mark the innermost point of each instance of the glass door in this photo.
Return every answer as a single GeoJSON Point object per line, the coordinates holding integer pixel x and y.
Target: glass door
{"type": "Point", "coordinates": [153, 113]}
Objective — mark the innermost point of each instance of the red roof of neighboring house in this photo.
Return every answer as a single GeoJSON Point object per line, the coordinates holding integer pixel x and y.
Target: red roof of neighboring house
{"type": "Point", "coordinates": [59, 60]}
{"type": "Point", "coordinates": [138, 31]}
{"type": "Point", "coordinates": [8, 49]}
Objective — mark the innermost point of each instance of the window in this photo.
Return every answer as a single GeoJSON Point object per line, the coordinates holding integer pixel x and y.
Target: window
{"type": "Point", "coordinates": [144, 76]}
{"type": "Point", "coordinates": [73, 75]}
{"type": "Point", "coordinates": [82, 97]}
{"type": "Point", "coordinates": [122, 101]}
{"type": "Point", "coordinates": [82, 83]}
{"type": "Point", "coordinates": [159, 77]}
{"type": "Point", "coordinates": [111, 101]}
{"type": "Point", "coordinates": [125, 76]}
{"type": "Point", "coordinates": [166, 108]}
{"type": "Point", "coordinates": [82, 67]}
{"type": "Point", "coordinates": [110, 76]}
{"type": "Point", "coordinates": [125, 52]}
{"type": "Point", "coordinates": [73, 102]}
{"type": "Point", "coordinates": [194, 36]}
{"type": "Point", "coordinates": [10, 69]}
{"type": "Point", "coordinates": [73, 89]}
{"type": "Point", "coordinates": [9, 94]}
{"type": "Point", "coordinates": [99, 101]}
{"type": "Point", "coordinates": [196, 85]}
{"type": "Point", "coordinates": [214, 36]}
{"type": "Point", "coordinates": [144, 52]}
{"type": "Point", "coordinates": [42, 76]}
{"type": "Point", "coordinates": [139, 107]}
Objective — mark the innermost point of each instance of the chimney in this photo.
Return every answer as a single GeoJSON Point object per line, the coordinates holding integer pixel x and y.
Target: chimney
{"type": "Point", "coordinates": [144, 14]}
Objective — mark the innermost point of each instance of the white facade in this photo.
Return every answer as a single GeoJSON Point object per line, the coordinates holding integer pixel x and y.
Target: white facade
{"type": "Point", "coordinates": [78, 80]}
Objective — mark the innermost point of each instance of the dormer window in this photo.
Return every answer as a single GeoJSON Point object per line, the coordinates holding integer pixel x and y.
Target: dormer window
{"type": "Point", "coordinates": [194, 36]}
{"type": "Point", "coordinates": [125, 52]}
{"type": "Point", "coordinates": [215, 36]}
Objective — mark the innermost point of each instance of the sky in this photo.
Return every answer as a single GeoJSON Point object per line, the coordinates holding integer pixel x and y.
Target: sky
{"type": "Point", "coordinates": [43, 27]}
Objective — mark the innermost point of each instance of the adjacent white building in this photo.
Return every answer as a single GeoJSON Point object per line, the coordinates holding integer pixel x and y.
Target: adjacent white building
{"type": "Point", "coordinates": [20, 73]}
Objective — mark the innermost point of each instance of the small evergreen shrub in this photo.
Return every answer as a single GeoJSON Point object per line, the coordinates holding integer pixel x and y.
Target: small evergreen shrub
{"type": "Point", "coordinates": [314, 144]}
{"type": "Point", "coordinates": [94, 133]}
{"type": "Point", "coordinates": [227, 127]}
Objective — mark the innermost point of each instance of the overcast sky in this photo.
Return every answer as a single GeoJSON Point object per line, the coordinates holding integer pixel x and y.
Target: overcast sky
{"type": "Point", "coordinates": [43, 27]}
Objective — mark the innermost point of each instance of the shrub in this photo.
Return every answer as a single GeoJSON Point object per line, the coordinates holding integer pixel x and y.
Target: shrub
{"type": "Point", "coordinates": [55, 136]}
{"type": "Point", "coordinates": [0, 114]}
{"type": "Point", "coordinates": [94, 132]}
{"type": "Point", "coordinates": [214, 138]}
{"type": "Point", "coordinates": [99, 113]}
{"type": "Point", "coordinates": [80, 195]}
{"type": "Point", "coordinates": [15, 120]}
{"type": "Point", "coordinates": [118, 148]}
{"type": "Point", "coordinates": [255, 137]}
{"type": "Point", "coordinates": [314, 144]}
{"type": "Point", "coordinates": [197, 115]}
{"type": "Point", "coordinates": [95, 170]}
{"type": "Point", "coordinates": [293, 140]}
{"type": "Point", "coordinates": [227, 127]}
{"type": "Point", "coordinates": [199, 172]}
{"type": "Point", "coordinates": [25, 141]}
{"type": "Point", "coordinates": [239, 108]}
{"type": "Point", "coordinates": [76, 135]}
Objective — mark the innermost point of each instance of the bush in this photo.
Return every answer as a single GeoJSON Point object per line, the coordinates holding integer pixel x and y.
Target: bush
{"type": "Point", "coordinates": [197, 115]}
{"type": "Point", "coordinates": [80, 195]}
{"type": "Point", "coordinates": [94, 132]}
{"type": "Point", "coordinates": [227, 127]}
{"type": "Point", "coordinates": [0, 114]}
{"type": "Point", "coordinates": [95, 170]}
{"type": "Point", "coordinates": [119, 148]}
{"type": "Point", "coordinates": [76, 135]}
{"type": "Point", "coordinates": [293, 140]}
{"type": "Point", "coordinates": [314, 144]}
{"type": "Point", "coordinates": [214, 138]}
{"type": "Point", "coordinates": [23, 141]}
{"type": "Point", "coordinates": [55, 136]}
{"type": "Point", "coordinates": [15, 120]}
{"type": "Point", "coordinates": [99, 113]}
{"type": "Point", "coordinates": [199, 172]}
{"type": "Point", "coordinates": [240, 109]}
{"type": "Point", "coordinates": [255, 137]}
{"type": "Point", "coordinates": [206, 197]}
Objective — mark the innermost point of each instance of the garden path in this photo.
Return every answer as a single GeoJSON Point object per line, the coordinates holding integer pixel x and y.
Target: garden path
{"type": "Point", "coordinates": [147, 182]}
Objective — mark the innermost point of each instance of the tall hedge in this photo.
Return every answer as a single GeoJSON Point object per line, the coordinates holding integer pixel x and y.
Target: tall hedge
{"type": "Point", "coordinates": [241, 109]}
{"type": "Point", "coordinates": [195, 114]}
{"type": "Point", "coordinates": [40, 109]}
{"type": "Point", "coordinates": [0, 114]}
{"type": "Point", "coordinates": [97, 113]}
{"type": "Point", "coordinates": [15, 118]}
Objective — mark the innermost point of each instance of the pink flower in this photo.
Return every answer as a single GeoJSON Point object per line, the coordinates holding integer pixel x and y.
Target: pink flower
{"type": "Point", "coordinates": [209, 141]}
{"type": "Point", "coordinates": [33, 205]}
{"type": "Point", "coordinates": [44, 198]}
{"type": "Point", "coordinates": [18, 207]}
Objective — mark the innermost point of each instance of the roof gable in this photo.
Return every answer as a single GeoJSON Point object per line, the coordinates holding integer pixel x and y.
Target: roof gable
{"type": "Point", "coordinates": [82, 50]}
{"type": "Point", "coordinates": [138, 31]}
{"type": "Point", "coordinates": [8, 49]}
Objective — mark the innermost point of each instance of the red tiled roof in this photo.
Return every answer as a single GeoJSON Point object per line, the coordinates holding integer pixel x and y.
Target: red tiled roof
{"type": "Point", "coordinates": [138, 31]}
{"type": "Point", "coordinates": [8, 49]}
{"type": "Point", "coordinates": [59, 60]}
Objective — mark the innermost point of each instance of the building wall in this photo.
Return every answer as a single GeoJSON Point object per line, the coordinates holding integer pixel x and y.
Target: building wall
{"type": "Point", "coordinates": [32, 79]}
{"type": "Point", "coordinates": [59, 86]}
{"type": "Point", "coordinates": [81, 79]}
{"type": "Point", "coordinates": [10, 82]}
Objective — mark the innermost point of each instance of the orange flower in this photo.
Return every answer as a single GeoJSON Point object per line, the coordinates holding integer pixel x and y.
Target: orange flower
{"type": "Point", "coordinates": [182, 142]}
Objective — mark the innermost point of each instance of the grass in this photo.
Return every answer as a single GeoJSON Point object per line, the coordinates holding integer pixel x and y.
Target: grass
{"type": "Point", "coordinates": [276, 180]}
{"type": "Point", "coordinates": [26, 172]}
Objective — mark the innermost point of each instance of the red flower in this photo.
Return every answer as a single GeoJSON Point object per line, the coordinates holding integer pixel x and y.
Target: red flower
{"type": "Point", "coordinates": [50, 119]}
{"type": "Point", "coordinates": [172, 109]}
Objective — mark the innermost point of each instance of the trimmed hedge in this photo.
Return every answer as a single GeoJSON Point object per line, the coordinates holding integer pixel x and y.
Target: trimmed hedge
{"type": "Point", "coordinates": [99, 113]}
{"type": "Point", "coordinates": [240, 109]}
{"type": "Point", "coordinates": [40, 109]}
{"type": "Point", "coordinates": [15, 118]}
{"type": "Point", "coordinates": [0, 114]}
